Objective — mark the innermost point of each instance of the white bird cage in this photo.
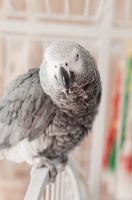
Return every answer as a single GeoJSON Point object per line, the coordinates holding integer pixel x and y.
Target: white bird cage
{"type": "Point", "coordinates": [27, 27]}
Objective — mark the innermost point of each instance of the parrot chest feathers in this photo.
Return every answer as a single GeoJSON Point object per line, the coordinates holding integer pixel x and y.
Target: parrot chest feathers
{"type": "Point", "coordinates": [66, 133]}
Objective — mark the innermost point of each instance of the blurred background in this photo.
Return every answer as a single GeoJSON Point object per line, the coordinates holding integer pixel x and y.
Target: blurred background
{"type": "Point", "coordinates": [104, 27]}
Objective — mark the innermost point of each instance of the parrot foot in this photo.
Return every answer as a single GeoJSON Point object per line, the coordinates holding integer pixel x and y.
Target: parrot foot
{"type": "Point", "coordinates": [41, 162]}
{"type": "Point", "coordinates": [62, 165]}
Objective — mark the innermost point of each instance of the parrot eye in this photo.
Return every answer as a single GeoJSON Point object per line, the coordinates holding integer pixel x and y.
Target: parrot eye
{"type": "Point", "coordinates": [77, 56]}
{"type": "Point", "coordinates": [66, 64]}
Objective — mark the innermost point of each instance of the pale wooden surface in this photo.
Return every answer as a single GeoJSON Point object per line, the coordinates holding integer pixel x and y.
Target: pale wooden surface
{"type": "Point", "coordinates": [14, 180]}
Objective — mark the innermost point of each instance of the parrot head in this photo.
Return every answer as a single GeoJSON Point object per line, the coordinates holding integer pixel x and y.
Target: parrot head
{"type": "Point", "coordinates": [66, 66]}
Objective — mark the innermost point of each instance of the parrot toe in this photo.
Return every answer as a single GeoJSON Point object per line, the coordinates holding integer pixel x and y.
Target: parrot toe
{"type": "Point", "coordinates": [44, 162]}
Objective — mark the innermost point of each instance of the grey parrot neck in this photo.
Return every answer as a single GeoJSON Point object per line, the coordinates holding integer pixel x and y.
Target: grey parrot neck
{"type": "Point", "coordinates": [76, 103]}
{"type": "Point", "coordinates": [79, 101]}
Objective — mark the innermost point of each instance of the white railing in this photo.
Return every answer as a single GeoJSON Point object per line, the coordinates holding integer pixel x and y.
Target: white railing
{"type": "Point", "coordinates": [66, 14]}
{"type": "Point", "coordinates": [67, 185]}
{"type": "Point", "coordinates": [9, 9]}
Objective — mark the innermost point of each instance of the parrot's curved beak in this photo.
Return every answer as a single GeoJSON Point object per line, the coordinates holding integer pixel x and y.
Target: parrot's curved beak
{"type": "Point", "coordinates": [64, 80]}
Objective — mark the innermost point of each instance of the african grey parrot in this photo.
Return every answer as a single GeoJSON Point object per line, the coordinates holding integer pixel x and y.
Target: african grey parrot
{"type": "Point", "coordinates": [46, 112]}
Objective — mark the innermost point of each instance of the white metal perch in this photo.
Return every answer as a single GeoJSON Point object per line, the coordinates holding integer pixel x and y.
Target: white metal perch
{"type": "Point", "coordinates": [67, 186]}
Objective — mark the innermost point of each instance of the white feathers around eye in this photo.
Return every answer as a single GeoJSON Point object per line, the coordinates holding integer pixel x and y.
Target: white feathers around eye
{"type": "Point", "coordinates": [76, 63]}
{"type": "Point", "coordinates": [72, 59]}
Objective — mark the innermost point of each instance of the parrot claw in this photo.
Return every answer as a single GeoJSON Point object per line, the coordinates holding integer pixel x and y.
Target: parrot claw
{"type": "Point", "coordinates": [41, 162]}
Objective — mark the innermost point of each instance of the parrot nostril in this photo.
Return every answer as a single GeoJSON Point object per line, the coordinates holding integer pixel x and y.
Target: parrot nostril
{"type": "Point", "coordinates": [55, 66]}
{"type": "Point", "coordinates": [66, 64]}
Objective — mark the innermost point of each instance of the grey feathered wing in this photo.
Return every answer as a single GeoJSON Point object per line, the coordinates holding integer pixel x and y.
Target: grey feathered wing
{"type": "Point", "coordinates": [25, 110]}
